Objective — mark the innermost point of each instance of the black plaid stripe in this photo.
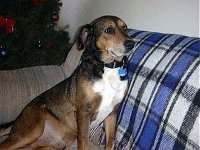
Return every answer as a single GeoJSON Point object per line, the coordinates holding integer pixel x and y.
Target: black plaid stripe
{"type": "Point", "coordinates": [189, 92]}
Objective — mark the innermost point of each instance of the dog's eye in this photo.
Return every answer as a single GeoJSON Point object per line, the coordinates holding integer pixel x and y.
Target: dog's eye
{"type": "Point", "coordinates": [109, 30]}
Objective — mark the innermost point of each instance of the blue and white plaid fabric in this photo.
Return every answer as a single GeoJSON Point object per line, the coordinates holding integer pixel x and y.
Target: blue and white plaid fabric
{"type": "Point", "coordinates": [161, 108]}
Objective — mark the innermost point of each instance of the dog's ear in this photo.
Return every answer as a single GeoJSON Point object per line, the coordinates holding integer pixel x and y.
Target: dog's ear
{"type": "Point", "coordinates": [83, 36]}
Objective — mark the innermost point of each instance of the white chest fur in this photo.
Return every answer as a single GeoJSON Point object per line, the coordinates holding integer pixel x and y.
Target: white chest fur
{"type": "Point", "coordinates": [112, 90]}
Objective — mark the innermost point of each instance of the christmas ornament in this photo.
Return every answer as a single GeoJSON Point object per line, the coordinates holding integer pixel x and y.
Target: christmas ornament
{"type": "Point", "coordinates": [10, 23]}
{"type": "Point", "coordinates": [7, 24]}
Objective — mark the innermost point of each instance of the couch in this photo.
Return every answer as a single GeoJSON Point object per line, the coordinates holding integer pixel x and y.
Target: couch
{"type": "Point", "coordinates": [161, 108]}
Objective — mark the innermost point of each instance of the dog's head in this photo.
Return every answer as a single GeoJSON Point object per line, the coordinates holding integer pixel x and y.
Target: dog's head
{"type": "Point", "coordinates": [106, 38]}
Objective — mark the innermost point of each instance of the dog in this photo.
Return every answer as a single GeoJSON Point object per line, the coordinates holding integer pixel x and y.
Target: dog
{"type": "Point", "coordinates": [89, 97]}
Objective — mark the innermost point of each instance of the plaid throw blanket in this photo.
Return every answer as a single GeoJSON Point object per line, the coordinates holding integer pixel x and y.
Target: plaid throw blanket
{"type": "Point", "coordinates": [161, 108]}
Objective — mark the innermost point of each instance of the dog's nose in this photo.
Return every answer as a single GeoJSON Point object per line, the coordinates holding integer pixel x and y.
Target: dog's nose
{"type": "Point", "coordinates": [129, 44]}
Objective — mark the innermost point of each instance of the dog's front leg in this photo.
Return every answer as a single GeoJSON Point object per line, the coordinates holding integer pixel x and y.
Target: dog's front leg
{"type": "Point", "coordinates": [83, 122]}
{"type": "Point", "coordinates": [110, 129]}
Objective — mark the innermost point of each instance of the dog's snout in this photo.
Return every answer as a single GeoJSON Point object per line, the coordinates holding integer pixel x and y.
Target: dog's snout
{"type": "Point", "coordinates": [129, 44]}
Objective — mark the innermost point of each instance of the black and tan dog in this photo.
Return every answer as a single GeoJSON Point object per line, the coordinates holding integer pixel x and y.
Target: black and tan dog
{"type": "Point", "coordinates": [67, 111]}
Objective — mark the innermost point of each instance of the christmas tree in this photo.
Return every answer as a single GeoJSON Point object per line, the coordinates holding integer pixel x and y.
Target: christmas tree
{"type": "Point", "coordinates": [28, 36]}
